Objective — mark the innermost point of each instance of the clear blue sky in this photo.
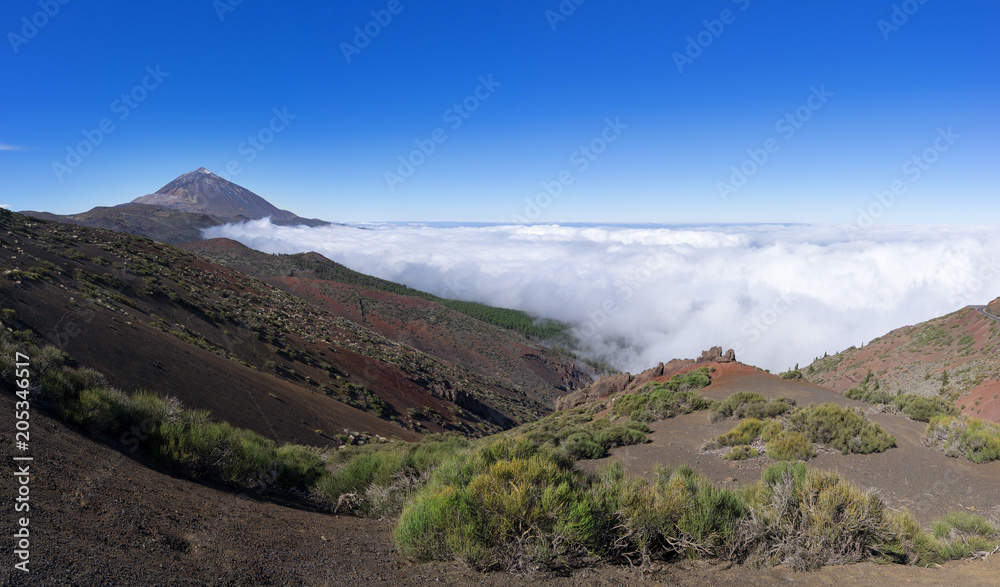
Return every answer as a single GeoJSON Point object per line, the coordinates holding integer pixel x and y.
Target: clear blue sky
{"type": "Point", "coordinates": [889, 89]}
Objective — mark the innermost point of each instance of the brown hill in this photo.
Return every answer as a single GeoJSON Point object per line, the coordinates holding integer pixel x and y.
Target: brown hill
{"type": "Point", "coordinates": [153, 316]}
{"type": "Point", "coordinates": [955, 354]}
{"type": "Point", "coordinates": [156, 222]}
{"type": "Point", "coordinates": [418, 322]}
{"type": "Point", "coordinates": [610, 385]}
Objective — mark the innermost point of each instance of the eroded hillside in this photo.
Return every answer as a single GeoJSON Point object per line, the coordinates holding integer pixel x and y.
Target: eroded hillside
{"type": "Point", "coordinates": [955, 356]}
{"type": "Point", "coordinates": [152, 316]}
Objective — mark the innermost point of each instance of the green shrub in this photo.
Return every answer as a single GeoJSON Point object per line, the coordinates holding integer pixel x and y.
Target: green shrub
{"type": "Point", "coordinates": [743, 404]}
{"type": "Point", "coordinates": [739, 453]}
{"type": "Point", "coordinates": [915, 407]}
{"type": "Point", "coordinates": [922, 409]}
{"type": "Point", "coordinates": [959, 535]}
{"type": "Point", "coordinates": [298, 467]}
{"type": "Point", "coordinates": [744, 433]}
{"type": "Point", "coordinates": [789, 445]}
{"type": "Point", "coordinates": [793, 374]}
{"type": "Point", "coordinates": [659, 401]}
{"type": "Point", "coordinates": [843, 428]}
{"type": "Point", "coordinates": [979, 441]}
{"type": "Point", "coordinates": [580, 435]}
{"type": "Point", "coordinates": [805, 518]}
{"type": "Point", "coordinates": [215, 449]}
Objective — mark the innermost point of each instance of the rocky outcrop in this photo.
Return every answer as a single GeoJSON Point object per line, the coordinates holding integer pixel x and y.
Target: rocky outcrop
{"type": "Point", "coordinates": [994, 307]}
{"type": "Point", "coordinates": [715, 355]}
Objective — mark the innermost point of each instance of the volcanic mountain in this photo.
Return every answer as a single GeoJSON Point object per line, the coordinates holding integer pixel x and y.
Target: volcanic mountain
{"type": "Point", "coordinates": [178, 211]}
{"type": "Point", "coordinates": [203, 192]}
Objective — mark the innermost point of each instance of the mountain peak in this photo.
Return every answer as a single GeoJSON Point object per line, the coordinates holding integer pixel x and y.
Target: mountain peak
{"type": "Point", "coordinates": [204, 192]}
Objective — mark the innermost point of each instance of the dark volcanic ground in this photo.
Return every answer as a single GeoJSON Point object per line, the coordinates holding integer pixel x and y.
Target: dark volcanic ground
{"type": "Point", "coordinates": [99, 516]}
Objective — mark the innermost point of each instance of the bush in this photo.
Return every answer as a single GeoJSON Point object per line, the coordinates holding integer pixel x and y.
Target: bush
{"type": "Point", "coordinates": [843, 428]}
{"type": "Point", "coordinates": [922, 409]}
{"type": "Point", "coordinates": [959, 535]}
{"type": "Point", "coordinates": [578, 434]}
{"type": "Point", "coordinates": [298, 467]}
{"type": "Point", "coordinates": [744, 433]}
{"type": "Point", "coordinates": [915, 407]}
{"type": "Point", "coordinates": [743, 404]}
{"type": "Point", "coordinates": [659, 401]}
{"type": "Point", "coordinates": [979, 441]}
{"type": "Point", "coordinates": [789, 445]}
{"type": "Point", "coordinates": [215, 449]}
{"type": "Point", "coordinates": [805, 519]}
{"type": "Point", "coordinates": [739, 453]}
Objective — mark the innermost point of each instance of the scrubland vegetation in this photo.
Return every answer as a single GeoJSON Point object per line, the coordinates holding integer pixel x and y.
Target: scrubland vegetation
{"type": "Point", "coordinates": [658, 401]}
{"type": "Point", "coordinates": [792, 437]}
{"type": "Point", "coordinates": [517, 501]}
{"type": "Point", "coordinates": [914, 407]}
{"type": "Point", "coordinates": [977, 440]}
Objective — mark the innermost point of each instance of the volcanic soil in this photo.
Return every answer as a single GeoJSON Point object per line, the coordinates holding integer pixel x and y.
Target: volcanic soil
{"type": "Point", "coordinates": [910, 476]}
{"type": "Point", "coordinates": [101, 515]}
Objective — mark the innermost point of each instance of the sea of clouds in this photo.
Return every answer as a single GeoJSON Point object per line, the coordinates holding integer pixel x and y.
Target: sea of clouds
{"type": "Point", "coordinates": [635, 296]}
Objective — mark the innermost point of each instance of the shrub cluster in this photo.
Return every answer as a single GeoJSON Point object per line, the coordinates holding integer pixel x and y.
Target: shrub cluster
{"type": "Point", "coordinates": [793, 437]}
{"type": "Point", "coordinates": [744, 404]}
{"type": "Point", "coordinates": [659, 401]}
{"type": "Point", "coordinates": [915, 407]}
{"type": "Point", "coordinates": [805, 519]}
{"type": "Point", "coordinates": [376, 479]}
{"type": "Point", "coordinates": [512, 505]}
{"type": "Point", "coordinates": [580, 436]}
{"type": "Point", "coordinates": [979, 441]}
{"type": "Point", "coordinates": [843, 428]}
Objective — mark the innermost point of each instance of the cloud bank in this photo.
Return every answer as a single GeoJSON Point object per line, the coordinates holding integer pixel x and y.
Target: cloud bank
{"type": "Point", "coordinates": [779, 295]}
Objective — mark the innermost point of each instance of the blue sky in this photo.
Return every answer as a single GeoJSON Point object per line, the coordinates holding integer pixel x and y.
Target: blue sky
{"type": "Point", "coordinates": [865, 99]}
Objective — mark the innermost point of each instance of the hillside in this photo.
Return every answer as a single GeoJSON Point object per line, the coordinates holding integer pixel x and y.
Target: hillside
{"type": "Point", "coordinates": [151, 316]}
{"type": "Point", "coordinates": [956, 356]}
{"type": "Point", "coordinates": [414, 318]}
{"type": "Point", "coordinates": [159, 223]}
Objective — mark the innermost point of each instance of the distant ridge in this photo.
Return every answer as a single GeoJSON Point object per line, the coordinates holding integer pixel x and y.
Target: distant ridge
{"type": "Point", "coordinates": [177, 212]}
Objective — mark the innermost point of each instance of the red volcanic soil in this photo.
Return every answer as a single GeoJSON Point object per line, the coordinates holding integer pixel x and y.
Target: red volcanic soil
{"type": "Point", "coordinates": [982, 401]}
{"type": "Point", "coordinates": [911, 476]}
{"type": "Point", "coordinates": [442, 333]}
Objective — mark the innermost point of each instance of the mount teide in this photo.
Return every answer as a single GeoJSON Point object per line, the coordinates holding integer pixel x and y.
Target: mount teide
{"type": "Point", "coordinates": [178, 211]}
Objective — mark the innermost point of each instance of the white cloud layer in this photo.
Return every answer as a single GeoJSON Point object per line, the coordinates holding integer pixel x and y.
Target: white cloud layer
{"type": "Point", "coordinates": [779, 295]}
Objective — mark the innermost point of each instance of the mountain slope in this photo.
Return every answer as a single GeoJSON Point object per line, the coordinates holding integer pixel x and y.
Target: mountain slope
{"type": "Point", "coordinates": [153, 316]}
{"type": "Point", "coordinates": [159, 223]}
{"type": "Point", "coordinates": [418, 320]}
{"type": "Point", "coordinates": [956, 355]}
